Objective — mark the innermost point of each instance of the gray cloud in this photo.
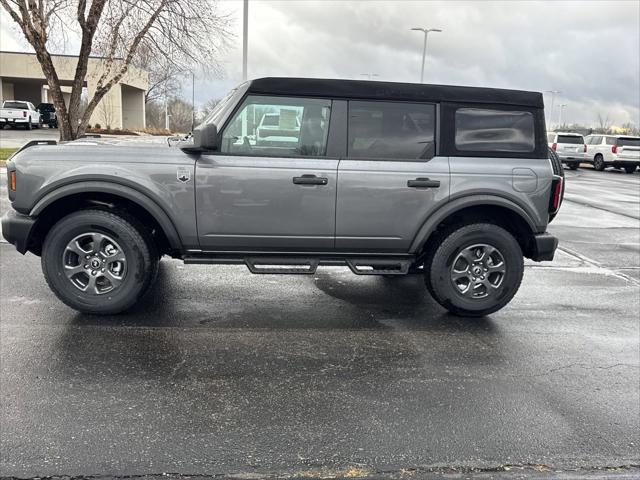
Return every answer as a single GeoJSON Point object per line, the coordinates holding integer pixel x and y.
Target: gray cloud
{"type": "Point", "coordinates": [588, 50]}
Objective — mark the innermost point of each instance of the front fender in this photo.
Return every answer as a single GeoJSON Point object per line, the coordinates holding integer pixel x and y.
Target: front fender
{"type": "Point", "coordinates": [175, 241]}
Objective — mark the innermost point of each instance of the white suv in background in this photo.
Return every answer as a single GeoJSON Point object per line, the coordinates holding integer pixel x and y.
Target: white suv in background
{"type": "Point", "coordinates": [619, 151]}
{"type": "Point", "coordinates": [569, 147]}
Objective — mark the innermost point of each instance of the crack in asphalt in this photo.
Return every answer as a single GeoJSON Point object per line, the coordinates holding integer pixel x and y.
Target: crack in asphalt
{"type": "Point", "coordinates": [359, 472]}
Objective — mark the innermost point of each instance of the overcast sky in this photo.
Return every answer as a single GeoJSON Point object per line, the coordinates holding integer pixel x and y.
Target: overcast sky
{"type": "Point", "coordinates": [588, 50]}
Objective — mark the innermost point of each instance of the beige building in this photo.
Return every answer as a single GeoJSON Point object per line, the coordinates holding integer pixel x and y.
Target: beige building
{"type": "Point", "coordinates": [21, 78]}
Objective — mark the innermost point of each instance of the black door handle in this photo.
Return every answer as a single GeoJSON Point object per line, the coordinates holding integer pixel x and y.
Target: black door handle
{"type": "Point", "coordinates": [310, 180]}
{"type": "Point", "coordinates": [423, 183]}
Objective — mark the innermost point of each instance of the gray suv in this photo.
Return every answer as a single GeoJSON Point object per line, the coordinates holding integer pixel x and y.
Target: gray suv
{"type": "Point", "coordinates": [451, 183]}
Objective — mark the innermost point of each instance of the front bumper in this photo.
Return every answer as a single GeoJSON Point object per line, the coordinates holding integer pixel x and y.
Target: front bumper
{"type": "Point", "coordinates": [17, 229]}
{"type": "Point", "coordinates": [544, 247]}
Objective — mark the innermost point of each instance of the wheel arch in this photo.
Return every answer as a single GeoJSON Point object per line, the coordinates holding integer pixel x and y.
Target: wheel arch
{"type": "Point", "coordinates": [77, 196]}
{"type": "Point", "coordinates": [491, 209]}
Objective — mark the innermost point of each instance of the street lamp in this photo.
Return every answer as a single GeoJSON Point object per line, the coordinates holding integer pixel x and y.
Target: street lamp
{"type": "Point", "coordinates": [424, 47]}
{"type": "Point", "coordinates": [553, 99]}
{"type": "Point", "coordinates": [562, 106]}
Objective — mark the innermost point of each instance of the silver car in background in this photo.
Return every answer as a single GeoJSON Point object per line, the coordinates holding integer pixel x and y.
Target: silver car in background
{"type": "Point", "coordinates": [619, 151]}
{"type": "Point", "coordinates": [569, 147]}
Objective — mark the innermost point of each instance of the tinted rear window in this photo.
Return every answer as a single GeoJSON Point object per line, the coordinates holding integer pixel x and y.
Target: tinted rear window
{"type": "Point", "coordinates": [481, 130]}
{"type": "Point", "coordinates": [570, 139]}
{"type": "Point", "coordinates": [629, 142]}
{"type": "Point", "coordinates": [391, 130]}
{"type": "Point", "coordinates": [17, 105]}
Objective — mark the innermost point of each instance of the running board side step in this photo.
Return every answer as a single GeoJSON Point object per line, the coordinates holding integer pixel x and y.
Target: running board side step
{"type": "Point", "coordinates": [307, 264]}
{"type": "Point", "coordinates": [274, 265]}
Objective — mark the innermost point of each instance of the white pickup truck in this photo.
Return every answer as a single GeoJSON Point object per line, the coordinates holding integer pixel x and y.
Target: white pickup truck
{"type": "Point", "coordinates": [16, 112]}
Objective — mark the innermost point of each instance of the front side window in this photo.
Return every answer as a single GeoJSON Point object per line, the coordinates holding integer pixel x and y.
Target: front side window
{"type": "Point", "coordinates": [391, 130]}
{"type": "Point", "coordinates": [278, 127]}
{"type": "Point", "coordinates": [482, 130]}
{"type": "Point", "coordinates": [596, 141]}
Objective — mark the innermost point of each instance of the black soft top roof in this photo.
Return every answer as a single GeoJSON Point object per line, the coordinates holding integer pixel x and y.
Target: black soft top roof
{"type": "Point", "coordinates": [364, 89]}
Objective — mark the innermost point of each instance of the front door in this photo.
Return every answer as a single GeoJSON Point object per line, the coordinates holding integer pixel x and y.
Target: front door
{"type": "Point", "coordinates": [271, 187]}
{"type": "Point", "coordinates": [392, 178]}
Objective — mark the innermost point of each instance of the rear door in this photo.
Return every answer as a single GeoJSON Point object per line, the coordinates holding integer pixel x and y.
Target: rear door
{"type": "Point", "coordinates": [392, 177]}
{"type": "Point", "coordinates": [270, 192]}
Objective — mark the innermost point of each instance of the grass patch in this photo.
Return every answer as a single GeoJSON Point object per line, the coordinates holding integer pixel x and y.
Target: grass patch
{"type": "Point", "coordinates": [5, 153]}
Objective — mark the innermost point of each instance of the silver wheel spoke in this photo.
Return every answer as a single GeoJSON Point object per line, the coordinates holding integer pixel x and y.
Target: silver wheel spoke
{"type": "Point", "coordinates": [113, 279]}
{"type": "Point", "coordinates": [77, 249]}
{"type": "Point", "coordinates": [71, 271]}
{"type": "Point", "coordinates": [458, 275]}
{"type": "Point", "coordinates": [91, 284]}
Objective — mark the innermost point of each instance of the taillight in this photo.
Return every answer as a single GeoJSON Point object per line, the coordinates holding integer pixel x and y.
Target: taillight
{"type": "Point", "coordinates": [554, 146]}
{"type": "Point", "coordinates": [614, 149]}
{"type": "Point", "coordinates": [556, 194]}
{"type": "Point", "coordinates": [12, 180]}
{"type": "Point", "coordinates": [585, 148]}
{"type": "Point", "coordinates": [24, 114]}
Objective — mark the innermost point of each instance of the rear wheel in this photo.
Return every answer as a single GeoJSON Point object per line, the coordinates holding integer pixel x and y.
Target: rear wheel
{"type": "Point", "coordinates": [630, 168]}
{"type": "Point", "coordinates": [28, 125]}
{"type": "Point", "coordinates": [598, 163]}
{"type": "Point", "coordinates": [474, 270]}
{"type": "Point", "coordinates": [99, 262]}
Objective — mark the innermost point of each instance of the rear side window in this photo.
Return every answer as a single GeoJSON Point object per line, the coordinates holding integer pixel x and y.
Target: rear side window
{"type": "Point", "coordinates": [628, 142]}
{"type": "Point", "coordinates": [481, 130]}
{"type": "Point", "coordinates": [572, 139]}
{"type": "Point", "coordinates": [610, 140]}
{"type": "Point", "coordinates": [391, 130]}
{"type": "Point", "coordinates": [596, 140]}
{"type": "Point", "coordinates": [551, 137]}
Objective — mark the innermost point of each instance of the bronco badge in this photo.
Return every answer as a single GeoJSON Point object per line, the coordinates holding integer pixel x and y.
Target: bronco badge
{"type": "Point", "coordinates": [184, 175]}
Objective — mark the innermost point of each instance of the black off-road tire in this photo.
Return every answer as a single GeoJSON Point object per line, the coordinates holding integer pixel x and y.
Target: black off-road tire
{"type": "Point", "coordinates": [442, 253]}
{"type": "Point", "coordinates": [630, 168]}
{"type": "Point", "coordinates": [598, 163]}
{"type": "Point", "coordinates": [29, 126]}
{"type": "Point", "coordinates": [136, 243]}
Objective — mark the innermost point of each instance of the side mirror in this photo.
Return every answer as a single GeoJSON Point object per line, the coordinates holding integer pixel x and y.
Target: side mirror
{"type": "Point", "coordinates": [205, 138]}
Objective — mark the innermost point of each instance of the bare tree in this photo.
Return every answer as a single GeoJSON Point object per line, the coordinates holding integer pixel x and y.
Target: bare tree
{"type": "Point", "coordinates": [183, 32]}
{"type": "Point", "coordinates": [604, 124]}
{"type": "Point", "coordinates": [164, 75]}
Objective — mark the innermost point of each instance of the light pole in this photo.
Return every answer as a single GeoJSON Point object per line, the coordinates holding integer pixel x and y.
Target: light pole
{"type": "Point", "coordinates": [562, 106]}
{"type": "Point", "coordinates": [245, 38]}
{"type": "Point", "coordinates": [193, 101]}
{"type": "Point", "coordinates": [424, 47]}
{"type": "Point", "coordinates": [369, 75]}
{"type": "Point", "coordinates": [553, 99]}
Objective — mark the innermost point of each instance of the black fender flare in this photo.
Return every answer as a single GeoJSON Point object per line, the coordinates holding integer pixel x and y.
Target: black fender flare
{"type": "Point", "coordinates": [461, 203]}
{"type": "Point", "coordinates": [169, 229]}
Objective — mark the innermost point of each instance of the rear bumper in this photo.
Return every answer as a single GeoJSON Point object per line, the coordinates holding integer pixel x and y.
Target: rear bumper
{"type": "Point", "coordinates": [10, 121]}
{"type": "Point", "coordinates": [545, 246]}
{"type": "Point", "coordinates": [17, 228]}
{"type": "Point", "coordinates": [575, 157]}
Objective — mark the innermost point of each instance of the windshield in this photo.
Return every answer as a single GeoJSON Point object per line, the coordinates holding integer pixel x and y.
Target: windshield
{"type": "Point", "coordinates": [221, 107]}
{"type": "Point", "coordinates": [573, 139]}
{"type": "Point", "coordinates": [628, 142]}
{"type": "Point", "coordinates": [20, 105]}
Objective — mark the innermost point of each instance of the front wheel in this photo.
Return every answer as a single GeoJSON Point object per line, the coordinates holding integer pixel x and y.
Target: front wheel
{"type": "Point", "coordinates": [573, 165]}
{"type": "Point", "coordinates": [474, 270]}
{"type": "Point", "coordinates": [630, 168]}
{"type": "Point", "coordinates": [99, 262]}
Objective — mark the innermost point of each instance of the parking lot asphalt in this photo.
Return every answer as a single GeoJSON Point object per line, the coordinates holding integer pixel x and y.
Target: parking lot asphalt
{"type": "Point", "coordinates": [16, 137]}
{"type": "Point", "coordinates": [219, 372]}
